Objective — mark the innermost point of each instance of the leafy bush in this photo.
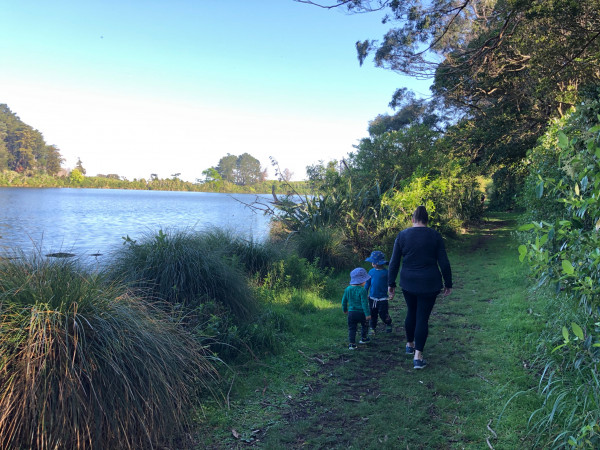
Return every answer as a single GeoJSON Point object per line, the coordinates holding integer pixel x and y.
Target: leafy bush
{"type": "Point", "coordinates": [84, 364]}
{"type": "Point", "coordinates": [231, 342]}
{"type": "Point", "coordinates": [185, 268]}
{"type": "Point", "coordinates": [451, 201]}
{"type": "Point", "coordinates": [563, 249]}
{"type": "Point", "coordinates": [543, 167]}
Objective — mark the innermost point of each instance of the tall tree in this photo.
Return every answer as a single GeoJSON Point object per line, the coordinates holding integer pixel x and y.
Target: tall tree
{"type": "Point", "coordinates": [3, 149]}
{"type": "Point", "coordinates": [79, 166]}
{"type": "Point", "coordinates": [287, 175]}
{"type": "Point", "coordinates": [506, 65]}
{"type": "Point", "coordinates": [23, 151]}
{"type": "Point", "coordinates": [248, 169]}
{"type": "Point", "coordinates": [22, 148]}
{"type": "Point", "coordinates": [53, 159]}
{"type": "Point", "coordinates": [227, 167]}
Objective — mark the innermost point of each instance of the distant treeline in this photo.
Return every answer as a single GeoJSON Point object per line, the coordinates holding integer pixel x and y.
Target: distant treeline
{"type": "Point", "coordinates": [27, 161]}
{"type": "Point", "coordinates": [41, 180]}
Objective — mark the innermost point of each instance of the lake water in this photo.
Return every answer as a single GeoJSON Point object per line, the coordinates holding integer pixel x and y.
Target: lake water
{"type": "Point", "coordinates": [94, 221]}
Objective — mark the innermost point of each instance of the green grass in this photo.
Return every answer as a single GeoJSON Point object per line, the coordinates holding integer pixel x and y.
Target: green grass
{"type": "Point", "coordinates": [317, 394]}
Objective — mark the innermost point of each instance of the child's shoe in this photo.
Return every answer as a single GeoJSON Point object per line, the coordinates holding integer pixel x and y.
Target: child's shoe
{"type": "Point", "coordinates": [388, 329]}
{"type": "Point", "coordinates": [364, 340]}
{"type": "Point", "coordinates": [371, 332]}
{"type": "Point", "coordinates": [352, 347]}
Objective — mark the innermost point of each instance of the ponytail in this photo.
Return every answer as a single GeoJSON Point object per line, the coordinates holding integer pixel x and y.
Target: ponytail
{"type": "Point", "coordinates": [420, 215]}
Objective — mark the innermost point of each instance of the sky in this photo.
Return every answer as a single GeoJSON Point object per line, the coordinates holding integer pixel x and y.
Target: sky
{"type": "Point", "coordinates": [171, 86]}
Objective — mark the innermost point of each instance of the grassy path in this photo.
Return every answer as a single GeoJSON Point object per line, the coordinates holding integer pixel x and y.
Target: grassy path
{"type": "Point", "coordinates": [320, 395]}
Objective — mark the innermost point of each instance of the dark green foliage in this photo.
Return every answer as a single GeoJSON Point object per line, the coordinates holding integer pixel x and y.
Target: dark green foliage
{"type": "Point", "coordinates": [507, 184]}
{"type": "Point", "coordinates": [23, 149]}
{"type": "Point", "coordinates": [186, 268]}
{"type": "Point", "coordinates": [264, 333]}
{"type": "Point", "coordinates": [562, 248]}
{"type": "Point", "coordinates": [85, 364]}
{"type": "Point", "coordinates": [295, 272]}
{"type": "Point", "coordinates": [243, 170]}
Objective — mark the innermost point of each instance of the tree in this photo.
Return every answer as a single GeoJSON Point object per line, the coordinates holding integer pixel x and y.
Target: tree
{"type": "Point", "coordinates": [320, 174]}
{"type": "Point", "coordinates": [287, 175]}
{"type": "Point", "coordinates": [22, 156]}
{"type": "Point", "coordinates": [248, 169]}
{"type": "Point", "coordinates": [211, 174]}
{"type": "Point", "coordinates": [396, 155]}
{"type": "Point", "coordinates": [53, 160]}
{"type": "Point", "coordinates": [79, 166]}
{"type": "Point", "coordinates": [3, 149]}
{"type": "Point", "coordinates": [507, 66]}
{"type": "Point", "coordinates": [76, 176]}
{"type": "Point", "coordinates": [243, 170]}
{"type": "Point", "coordinates": [227, 167]}
{"type": "Point", "coordinates": [263, 174]}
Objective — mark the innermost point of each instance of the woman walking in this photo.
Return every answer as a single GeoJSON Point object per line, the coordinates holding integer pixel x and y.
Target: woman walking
{"type": "Point", "coordinates": [423, 255]}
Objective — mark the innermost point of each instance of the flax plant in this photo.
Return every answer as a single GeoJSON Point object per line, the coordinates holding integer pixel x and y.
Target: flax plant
{"type": "Point", "coordinates": [85, 364]}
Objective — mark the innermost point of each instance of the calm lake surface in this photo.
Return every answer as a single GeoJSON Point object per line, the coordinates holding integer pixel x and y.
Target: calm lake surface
{"type": "Point", "coordinates": [94, 221]}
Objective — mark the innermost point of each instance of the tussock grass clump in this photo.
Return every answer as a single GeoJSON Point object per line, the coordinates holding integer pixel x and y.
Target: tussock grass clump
{"type": "Point", "coordinates": [185, 268]}
{"type": "Point", "coordinates": [325, 245]}
{"type": "Point", "coordinates": [256, 257]}
{"type": "Point", "coordinates": [83, 364]}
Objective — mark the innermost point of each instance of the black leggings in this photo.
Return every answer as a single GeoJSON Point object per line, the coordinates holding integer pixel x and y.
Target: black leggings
{"type": "Point", "coordinates": [416, 324]}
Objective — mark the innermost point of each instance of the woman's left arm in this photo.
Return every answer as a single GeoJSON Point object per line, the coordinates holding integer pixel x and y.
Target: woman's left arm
{"type": "Point", "coordinates": [444, 264]}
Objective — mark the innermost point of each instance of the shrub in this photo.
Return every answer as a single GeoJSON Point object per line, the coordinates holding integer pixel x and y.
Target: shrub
{"type": "Point", "coordinates": [451, 201]}
{"type": "Point", "coordinates": [84, 364]}
{"type": "Point", "coordinates": [563, 249]}
{"type": "Point", "coordinates": [264, 334]}
{"type": "Point", "coordinates": [186, 269]}
{"type": "Point", "coordinates": [302, 274]}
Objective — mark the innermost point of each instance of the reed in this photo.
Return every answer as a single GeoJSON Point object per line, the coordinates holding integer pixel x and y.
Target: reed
{"type": "Point", "coordinates": [84, 364]}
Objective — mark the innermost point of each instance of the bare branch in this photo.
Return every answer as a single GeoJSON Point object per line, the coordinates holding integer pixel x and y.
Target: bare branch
{"type": "Point", "coordinates": [358, 6]}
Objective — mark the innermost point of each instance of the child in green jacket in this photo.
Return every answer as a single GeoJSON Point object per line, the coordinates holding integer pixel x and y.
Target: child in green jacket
{"type": "Point", "coordinates": [355, 304]}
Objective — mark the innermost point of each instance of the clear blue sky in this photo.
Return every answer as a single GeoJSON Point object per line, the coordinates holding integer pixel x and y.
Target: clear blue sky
{"type": "Point", "coordinates": [171, 86]}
